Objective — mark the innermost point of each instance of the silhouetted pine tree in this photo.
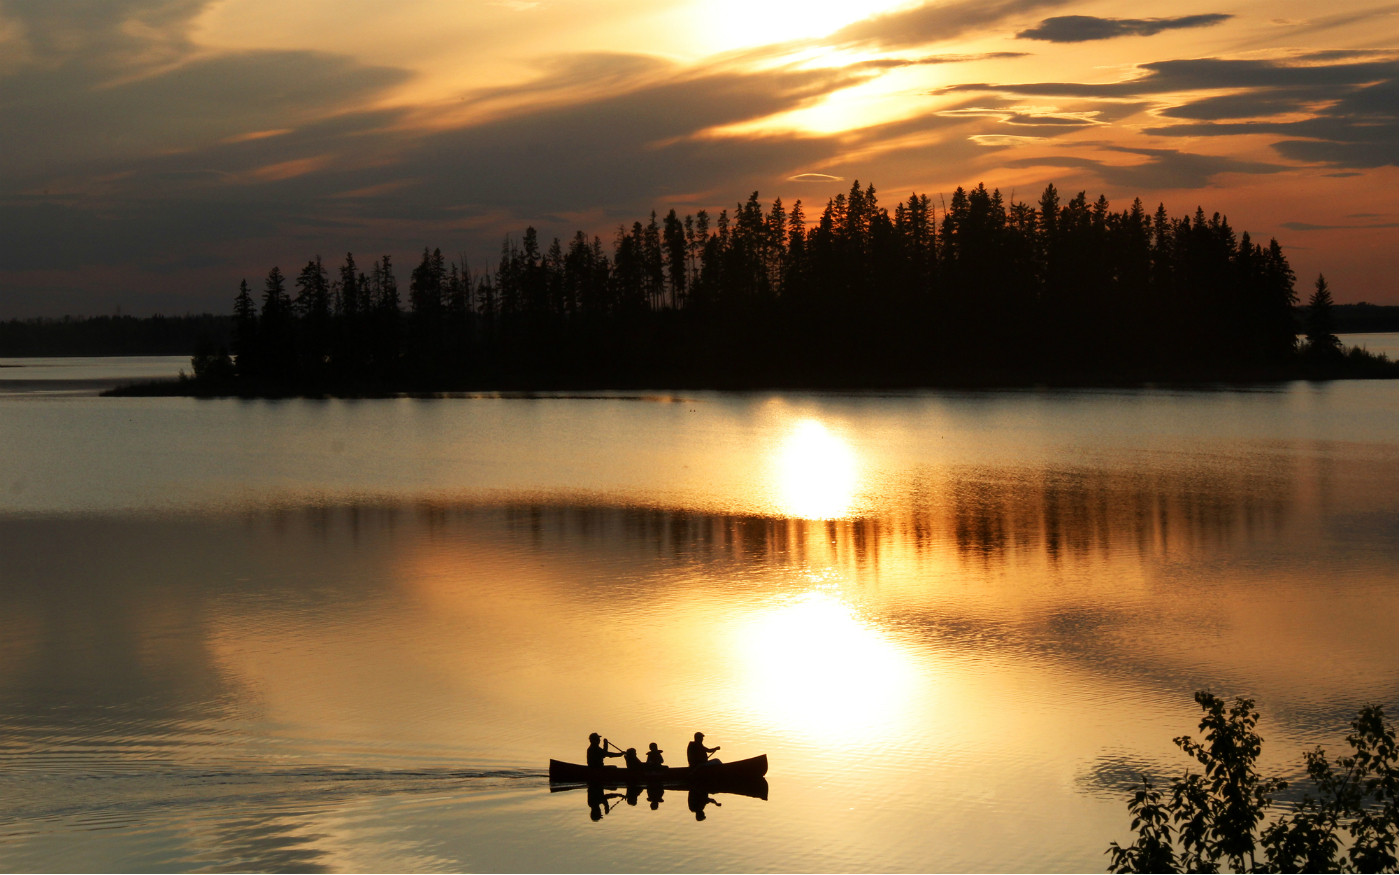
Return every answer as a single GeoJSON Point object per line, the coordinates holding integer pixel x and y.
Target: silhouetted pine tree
{"type": "Point", "coordinates": [385, 328]}
{"type": "Point", "coordinates": [1322, 344]}
{"type": "Point", "coordinates": [245, 333]}
{"type": "Point", "coordinates": [276, 330]}
{"type": "Point", "coordinates": [677, 252]}
{"type": "Point", "coordinates": [312, 308]}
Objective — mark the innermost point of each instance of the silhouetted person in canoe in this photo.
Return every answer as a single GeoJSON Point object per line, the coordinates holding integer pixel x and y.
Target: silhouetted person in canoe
{"type": "Point", "coordinates": [631, 761]}
{"type": "Point", "coordinates": [697, 800]}
{"type": "Point", "coordinates": [596, 751]}
{"type": "Point", "coordinates": [697, 756]}
{"type": "Point", "coordinates": [654, 758]}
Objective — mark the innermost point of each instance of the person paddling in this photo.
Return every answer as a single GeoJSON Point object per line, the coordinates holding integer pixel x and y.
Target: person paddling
{"type": "Point", "coordinates": [697, 756]}
{"type": "Point", "coordinates": [597, 752]}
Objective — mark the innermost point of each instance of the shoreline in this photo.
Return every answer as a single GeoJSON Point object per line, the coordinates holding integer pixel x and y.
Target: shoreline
{"type": "Point", "coordinates": [185, 386]}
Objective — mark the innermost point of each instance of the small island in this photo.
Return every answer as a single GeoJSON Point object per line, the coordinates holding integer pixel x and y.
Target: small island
{"type": "Point", "coordinates": [990, 293]}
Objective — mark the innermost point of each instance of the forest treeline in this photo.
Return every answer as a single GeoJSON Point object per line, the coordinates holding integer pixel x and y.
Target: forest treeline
{"type": "Point", "coordinates": [979, 291]}
{"type": "Point", "coordinates": [41, 336]}
{"type": "Point", "coordinates": [113, 335]}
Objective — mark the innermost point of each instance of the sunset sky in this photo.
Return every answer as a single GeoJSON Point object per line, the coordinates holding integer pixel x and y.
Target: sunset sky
{"type": "Point", "coordinates": [156, 152]}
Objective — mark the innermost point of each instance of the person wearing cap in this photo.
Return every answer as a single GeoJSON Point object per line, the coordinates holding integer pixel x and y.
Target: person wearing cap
{"type": "Point", "coordinates": [596, 752]}
{"type": "Point", "coordinates": [654, 758]}
{"type": "Point", "coordinates": [697, 755]}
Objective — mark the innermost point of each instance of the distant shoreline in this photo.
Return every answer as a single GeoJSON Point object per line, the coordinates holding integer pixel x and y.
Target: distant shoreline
{"type": "Point", "coordinates": [72, 336]}
{"type": "Point", "coordinates": [1361, 366]}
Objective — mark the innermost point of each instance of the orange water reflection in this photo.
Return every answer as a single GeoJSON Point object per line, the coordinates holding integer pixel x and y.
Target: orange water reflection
{"type": "Point", "coordinates": [811, 667]}
{"type": "Point", "coordinates": [817, 472]}
{"type": "Point", "coordinates": [999, 646]}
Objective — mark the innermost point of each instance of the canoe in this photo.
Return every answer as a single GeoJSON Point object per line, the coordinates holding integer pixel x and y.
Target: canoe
{"type": "Point", "coordinates": [754, 787]}
{"type": "Point", "coordinates": [736, 772]}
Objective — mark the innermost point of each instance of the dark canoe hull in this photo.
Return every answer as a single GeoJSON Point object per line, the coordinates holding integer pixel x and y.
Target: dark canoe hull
{"type": "Point", "coordinates": [754, 787]}
{"type": "Point", "coordinates": [723, 774]}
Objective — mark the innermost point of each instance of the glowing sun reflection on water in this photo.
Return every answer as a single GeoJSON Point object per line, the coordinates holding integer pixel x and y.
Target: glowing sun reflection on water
{"type": "Point", "coordinates": [812, 665]}
{"type": "Point", "coordinates": [816, 473]}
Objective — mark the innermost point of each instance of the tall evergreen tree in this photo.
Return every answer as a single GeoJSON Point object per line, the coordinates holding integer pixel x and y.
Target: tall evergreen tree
{"type": "Point", "coordinates": [653, 263]}
{"type": "Point", "coordinates": [276, 340]}
{"type": "Point", "coordinates": [276, 306]}
{"type": "Point", "coordinates": [313, 299]}
{"type": "Point", "coordinates": [1320, 322]}
{"type": "Point", "coordinates": [425, 286]}
{"type": "Point", "coordinates": [245, 332]}
{"type": "Point", "coordinates": [351, 295]}
{"type": "Point", "coordinates": [677, 252]}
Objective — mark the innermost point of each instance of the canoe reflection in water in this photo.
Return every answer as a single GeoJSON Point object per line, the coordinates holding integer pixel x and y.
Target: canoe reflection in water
{"type": "Point", "coordinates": [602, 798]}
{"type": "Point", "coordinates": [699, 797]}
{"type": "Point", "coordinates": [741, 778]}
{"type": "Point", "coordinates": [598, 803]}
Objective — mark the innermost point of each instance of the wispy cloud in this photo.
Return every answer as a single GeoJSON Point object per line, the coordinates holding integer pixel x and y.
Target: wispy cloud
{"type": "Point", "coordinates": [1212, 74]}
{"type": "Point", "coordinates": [1026, 117]}
{"type": "Point", "coordinates": [1159, 169]}
{"type": "Point", "coordinates": [116, 80]}
{"type": "Point", "coordinates": [114, 36]}
{"type": "Point", "coordinates": [1348, 109]}
{"type": "Point", "coordinates": [1309, 226]}
{"type": "Point", "coordinates": [134, 145]}
{"type": "Point", "coordinates": [609, 150]}
{"type": "Point", "coordinates": [934, 22]}
{"type": "Point", "coordinates": [1308, 30]}
{"type": "Point", "coordinates": [1084, 28]}
{"type": "Point", "coordinates": [896, 62]}
{"type": "Point", "coordinates": [1355, 128]}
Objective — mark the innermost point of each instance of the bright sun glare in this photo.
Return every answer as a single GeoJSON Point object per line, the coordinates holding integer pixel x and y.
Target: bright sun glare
{"type": "Point", "coordinates": [816, 473]}
{"type": "Point", "coordinates": [813, 666]}
{"type": "Point", "coordinates": [739, 23]}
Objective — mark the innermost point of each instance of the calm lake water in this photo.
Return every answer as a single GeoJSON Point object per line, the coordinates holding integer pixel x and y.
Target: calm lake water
{"type": "Point", "coordinates": [348, 635]}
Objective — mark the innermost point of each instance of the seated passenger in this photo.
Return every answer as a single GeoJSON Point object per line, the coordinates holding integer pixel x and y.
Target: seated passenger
{"type": "Point", "coordinates": [654, 758]}
{"type": "Point", "coordinates": [630, 758]}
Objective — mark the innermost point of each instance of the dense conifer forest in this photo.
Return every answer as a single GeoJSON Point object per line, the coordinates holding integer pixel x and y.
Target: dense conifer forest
{"type": "Point", "coordinates": [975, 292]}
{"type": "Point", "coordinates": [112, 335]}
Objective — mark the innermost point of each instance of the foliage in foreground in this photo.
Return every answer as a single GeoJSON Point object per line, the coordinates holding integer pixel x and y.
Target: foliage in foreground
{"type": "Point", "coordinates": [1208, 821]}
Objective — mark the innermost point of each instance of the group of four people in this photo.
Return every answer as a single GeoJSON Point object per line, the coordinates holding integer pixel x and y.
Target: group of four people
{"type": "Point", "coordinates": [696, 754]}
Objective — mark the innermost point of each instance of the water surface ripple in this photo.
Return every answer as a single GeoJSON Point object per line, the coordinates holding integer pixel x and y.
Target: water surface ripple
{"type": "Point", "coordinates": [348, 635]}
